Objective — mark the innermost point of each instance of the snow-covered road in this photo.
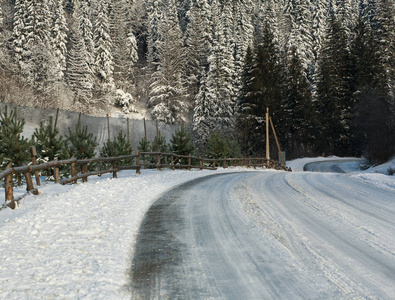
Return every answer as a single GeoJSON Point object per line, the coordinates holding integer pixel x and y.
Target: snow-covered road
{"type": "Point", "coordinates": [267, 235]}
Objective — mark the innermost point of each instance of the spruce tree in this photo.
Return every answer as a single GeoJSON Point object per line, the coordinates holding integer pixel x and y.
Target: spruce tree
{"type": "Point", "coordinates": [334, 91]}
{"type": "Point", "coordinates": [263, 88]}
{"type": "Point", "coordinates": [167, 97]}
{"type": "Point", "coordinates": [119, 146]}
{"type": "Point", "coordinates": [198, 41]}
{"type": "Point", "coordinates": [14, 148]}
{"type": "Point", "coordinates": [159, 144]}
{"type": "Point", "coordinates": [79, 73]}
{"type": "Point", "coordinates": [58, 39]}
{"type": "Point", "coordinates": [181, 144]}
{"type": "Point", "coordinates": [202, 116]}
{"type": "Point", "coordinates": [81, 143]}
{"type": "Point", "coordinates": [103, 59]}
{"type": "Point", "coordinates": [145, 146]}
{"type": "Point", "coordinates": [48, 142]}
{"type": "Point", "coordinates": [299, 112]}
{"type": "Point", "coordinates": [246, 104]}
{"type": "Point", "coordinates": [220, 77]}
{"type": "Point", "coordinates": [243, 32]}
{"type": "Point", "coordinates": [373, 135]}
{"type": "Point", "coordinates": [217, 146]}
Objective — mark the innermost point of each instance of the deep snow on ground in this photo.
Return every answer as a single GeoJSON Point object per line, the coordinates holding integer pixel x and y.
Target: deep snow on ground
{"type": "Point", "coordinates": [76, 241]}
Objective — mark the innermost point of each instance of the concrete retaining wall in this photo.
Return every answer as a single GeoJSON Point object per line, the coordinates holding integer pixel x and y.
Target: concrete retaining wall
{"type": "Point", "coordinates": [96, 125]}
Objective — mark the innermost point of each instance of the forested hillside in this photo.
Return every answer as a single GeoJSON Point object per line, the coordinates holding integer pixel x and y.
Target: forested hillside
{"type": "Point", "coordinates": [325, 68]}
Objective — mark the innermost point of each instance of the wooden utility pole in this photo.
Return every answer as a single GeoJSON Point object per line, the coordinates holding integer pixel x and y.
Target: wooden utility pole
{"type": "Point", "coordinates": [157, 128]}
{"type": "Point", "coordinates": [128, 130]}
{"type": "Point", "coordinates": [267, 135]}
{"type": "Point", "coordinates": [278, 145]}
{"type": "Point", "coordinates": [108, 125]}
{"type": "Point", "coordinates": [145, 130]}
{"type": "Point", "coordinates": [56, 118]}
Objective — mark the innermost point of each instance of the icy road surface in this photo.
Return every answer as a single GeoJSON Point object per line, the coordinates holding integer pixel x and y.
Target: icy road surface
{"type": "Point", "coordinates": [268, 235]}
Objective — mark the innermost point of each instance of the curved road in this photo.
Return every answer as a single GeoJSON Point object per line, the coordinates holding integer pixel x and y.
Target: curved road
{"type": "Point", "coordinates": [268, 235]}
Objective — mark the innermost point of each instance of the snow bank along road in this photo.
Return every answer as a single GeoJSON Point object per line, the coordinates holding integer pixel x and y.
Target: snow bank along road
{"type": "Point", "coordinates": [266, 235]}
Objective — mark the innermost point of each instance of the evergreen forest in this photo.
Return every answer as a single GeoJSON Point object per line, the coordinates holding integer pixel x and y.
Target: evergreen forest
{"type": "Point", "coordinates": [324, 68]}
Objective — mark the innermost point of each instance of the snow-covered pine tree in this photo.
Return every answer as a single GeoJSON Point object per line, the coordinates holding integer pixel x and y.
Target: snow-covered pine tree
{"type": "Point", "coordinates": [371, 122]}
{"type": "Point", "coordinates": [334, 91]}
{"type": "Point", "coordinates": [198, 42]}
{"type": "Point", "coordinates": [31, 44]}
{"type": "Point", "coordinates": [78, 72]}
{"type": "Point", "coordinates": [368, 8]}
{"type": "Point", "coordinates": [202, 116]}
{"type": "Point", "coordinates": [220, 76]}
{"type": "Point", "coordinates": [82, 14]}
{"type": "Point", "coordinates": [248, 136]}
{"type": "Point", "coordinates": [124, 44]}
{"type": "Point", "coordinates": [243, 32]}
{"type": "Point", "coordinates": [347, 13]}
{"type": "Point", "coordinates": [300, 36]}
{"type": "Point", "coordinates": [299, 111]}
{"type": "Point", "coordinates": [103, 59]}
{"type": "Point", "coordinates": [167, 97]}
{"type": "Point", "coordinates": [155, 8]}
{"type": "Point", "coordinates": [386, 34]}
{"type": "Point", "coordinates": [19, 32]}
{"type": "Point", "coordinates": [58, 39]}
{"type": "Point", "coordinates": [318, 12]}
{"type": "Point", "coordinates": [1, 19]}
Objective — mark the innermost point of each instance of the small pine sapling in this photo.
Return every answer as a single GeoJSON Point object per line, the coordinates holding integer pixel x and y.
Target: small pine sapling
{"type": "Point", "coordinates": [14, 147]}
{"type": "Point", "coordinates": [119, 146]}
{"type": "Point", "coordinates": [159, 145]}
{"type": "Point", "coordinates": [217, 146]}
{"type": "Point", "coordinates": [145, 146]}
{"type": "Point", "coordinates": [181, 144]}
{"type": "Point", "coordinates": [49, 143]}
{"type": "Point", "coordinates": [81, 144]}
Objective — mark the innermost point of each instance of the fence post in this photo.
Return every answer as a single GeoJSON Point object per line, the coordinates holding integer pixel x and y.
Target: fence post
{"type": "Point", "coordinates": [115, 167]}
{"type": "Point", "coordinates": [84, 169]}
{"type": "Point", "coordinates": [56, 172]}
{"type": "Point", "coordinates": [172, 162]}
{"type": "Point", "coordinates": [29, 181]}
{"type": "Point", "coordinates": [73, 172]}
{"type": "Point", "coordinates": [200, 163]}
{"type": "Point", "coordinates": [213, 164]}
{"type": "Point", "coordinates": [138, 163]}
{"type": "Point", "coordinates": [9, 188]}
{"type": "Point", "coordinates": [189, 162]}
{"type": "Point", "coordinates": [158, 166]}
{"type": "Point", "coordinates": [33, 152]}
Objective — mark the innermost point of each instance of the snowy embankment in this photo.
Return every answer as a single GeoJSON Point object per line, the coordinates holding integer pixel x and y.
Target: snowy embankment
{"type": "Point", "coordinates": [376, 175]}
{"type": "Point", "coordinates": [76, 241]}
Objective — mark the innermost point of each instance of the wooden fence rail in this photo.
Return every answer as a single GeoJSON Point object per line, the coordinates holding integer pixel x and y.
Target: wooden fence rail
{"type": "Point", "coordinates": [142, 160]}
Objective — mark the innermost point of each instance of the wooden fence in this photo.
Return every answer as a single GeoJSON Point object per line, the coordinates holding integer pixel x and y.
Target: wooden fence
{"type": "Point", "coordinates": [141, 160]}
